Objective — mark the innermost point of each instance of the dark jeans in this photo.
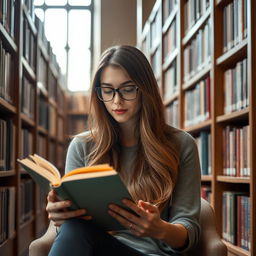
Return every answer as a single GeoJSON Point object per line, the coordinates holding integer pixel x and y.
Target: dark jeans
{"type": "Point", "coordinates": [79, 237]}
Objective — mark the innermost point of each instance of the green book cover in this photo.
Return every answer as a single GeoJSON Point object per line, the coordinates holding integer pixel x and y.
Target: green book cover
{"type": "Point", "coordinates": [92, 191]}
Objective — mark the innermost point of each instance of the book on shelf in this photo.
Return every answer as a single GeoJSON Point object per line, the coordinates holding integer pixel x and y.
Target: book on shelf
{"type": "Point", "coordinates": [236, 218]}
{"type": "Point", "coordinates": [234, 24]}
{"type": "Point", "coordinates": [7, 213]}
{"type": "Point", "coordinates": [91, 187]}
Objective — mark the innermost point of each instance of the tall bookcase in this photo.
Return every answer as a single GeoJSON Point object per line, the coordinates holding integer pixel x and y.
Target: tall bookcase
{"type": "Point", "coordinates": [203, 53]}
{"type": "Point", "coordinates": [32, 120]}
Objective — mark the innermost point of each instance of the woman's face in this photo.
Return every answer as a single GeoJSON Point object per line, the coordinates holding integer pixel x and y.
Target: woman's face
{"type": "Point", "coordinates": [123, 111]}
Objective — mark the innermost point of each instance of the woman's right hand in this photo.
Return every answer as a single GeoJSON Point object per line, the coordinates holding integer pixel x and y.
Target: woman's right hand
{"type": "Point", "coordinates": [58, 210]}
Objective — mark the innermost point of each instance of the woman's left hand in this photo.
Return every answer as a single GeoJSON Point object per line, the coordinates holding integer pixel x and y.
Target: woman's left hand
{"type": "Point", "coordinates": [147, 223]}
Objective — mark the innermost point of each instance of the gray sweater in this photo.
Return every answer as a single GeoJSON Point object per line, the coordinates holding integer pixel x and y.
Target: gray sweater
{"type": "Point", "coordinates": [184, 205]}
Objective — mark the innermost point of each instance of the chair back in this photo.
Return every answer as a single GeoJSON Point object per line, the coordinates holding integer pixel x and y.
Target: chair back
{"type": "Point", "coordinates": [210, 243]}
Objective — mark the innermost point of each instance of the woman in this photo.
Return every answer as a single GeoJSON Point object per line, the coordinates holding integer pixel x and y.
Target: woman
{"type": "Point", "coordinates": [159, 165]}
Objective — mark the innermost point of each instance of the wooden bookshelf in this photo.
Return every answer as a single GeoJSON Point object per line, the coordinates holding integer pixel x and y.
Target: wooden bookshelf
{"type": "Point", "coordinates": [22, 127]}
{"type": "Point", "coordinates": [228, 60]}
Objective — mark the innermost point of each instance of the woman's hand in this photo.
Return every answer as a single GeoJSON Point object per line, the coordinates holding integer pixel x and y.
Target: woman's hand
{"type": "Point", "coordinates": [147, 223]}
{"type": "Point", "coordinates": [58, 210]}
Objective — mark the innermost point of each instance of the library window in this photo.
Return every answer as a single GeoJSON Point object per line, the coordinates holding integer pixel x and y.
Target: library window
{"type": "Point", "coordinates": [68, 26]}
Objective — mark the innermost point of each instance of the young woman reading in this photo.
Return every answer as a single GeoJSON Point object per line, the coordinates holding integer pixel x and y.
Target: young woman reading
{"type": "Point", "coordinates": [158, 163]}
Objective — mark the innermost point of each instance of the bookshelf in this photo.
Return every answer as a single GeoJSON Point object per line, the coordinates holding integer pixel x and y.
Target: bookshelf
{"type": "Point", "coordinates": [206, 67]}
{"type": "Point", "coordinates": [78, 109]}
{"type": "Point", "coordinates": [32, 120]}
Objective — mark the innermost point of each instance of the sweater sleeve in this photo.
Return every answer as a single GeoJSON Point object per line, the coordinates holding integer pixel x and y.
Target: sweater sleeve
{"type": "Point", "coordinates": [186, 202]}
{"type": "Point", "coordinates": [76, 154]}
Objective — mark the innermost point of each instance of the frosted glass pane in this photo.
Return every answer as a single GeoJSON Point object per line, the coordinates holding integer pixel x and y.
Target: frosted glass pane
{"type": "Point", "coordinates": [79, 2]}
{"type": "Point", "coordinates": [80, 28]}
{"type": "Point", "coordinates": [39, 13]}
{"type": "Point", "coordinates": [56, 2]}
{"type": "Point", "coordinates": [38, 2]}
{"type": "Point", "coordinates": [79, 69]}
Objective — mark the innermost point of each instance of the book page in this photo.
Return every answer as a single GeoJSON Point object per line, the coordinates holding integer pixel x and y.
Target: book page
{"type": "Point", "coordinates": [46, 165]}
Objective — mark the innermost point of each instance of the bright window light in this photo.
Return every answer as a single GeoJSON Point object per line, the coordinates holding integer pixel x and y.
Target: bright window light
{"type": "Point", "coordinates": [79, 2]}
{"type": "Point", "coordinates": [39, 13]}
{"type": "Point", "coordinates": [56, 2]}
{"type": "Point", "coordinates": [79, 69]}
{"type": "Point", "coordinates": [56, 33]}
{"type": "Point", "coordinates": [38, 2]}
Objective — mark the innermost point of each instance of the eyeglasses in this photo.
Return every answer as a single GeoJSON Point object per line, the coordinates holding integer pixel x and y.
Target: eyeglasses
{"type": "Point", "coordinates": [106, 93]}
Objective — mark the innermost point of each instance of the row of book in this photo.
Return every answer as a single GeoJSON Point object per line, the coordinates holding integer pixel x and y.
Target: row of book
{"type": "Point", "coordinates": [234, 23]}
{"type": "Point", "coordinates": [203, 142]}
{"type": "Point", "coordinates": [193, 11]}
{"type": "Point", "coordinates": [7, 213]}
{"type": "Point", "coordinates": [52, 86]}
{"type": "Point", "coordinates": [52, 121]}
{"type": "Point", "coordinates": [172, 114]}
{"type": "Point", "coordinates": [156, 62]}
{"type": "Point", "coordinates": [60, 133]}
{"type": "Point", "coordinates": [170, 81]}
{"type": "Point", "coordinates": [29, 44]}
{"type": "Point", "coordinates": [236, 218]}
{"type": "Point", "coordinates": [198, 53]}
{"type": "Point", "coordinates": [197, 103]}
{"type": "Point", "coordinates": [236, 88]}
{"type": "Point", "coordinates": [28, 97]}
{"type": "Point", "coordinates": [170, 39]}
{"type": "Point", "coordinates": [42, 71]}
{"type": "Point", "coordinates": [168, 7]}
{"type": "Point", "coordinates": [26, 200]}
{"type": "Point", "coordinates": [206, 193]}
{"type": "Point", "coordinates": [236, 153]}
{"type": "Point", "coordinates": [6, 74]}
{"type": "Point", "coordinates": [78, 102]}
{"type": "Point", "coordinates": [43, 112]}
{"type": "Point", "coordinates": [7, 145]}
{"type": "Point", "coordinates": [42, 146]}
{"type": "Point", "coordinates": [155, 28]}
{"type": "Point", "coordinates": [26, 141]}
{"type": "Point", "coordinates": [77, 125]}
{"type": "Point", "coordinates": [7, 15]}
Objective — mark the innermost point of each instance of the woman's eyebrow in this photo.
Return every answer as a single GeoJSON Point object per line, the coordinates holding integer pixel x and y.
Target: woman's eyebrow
{"type": "Point", "coordinates": [124, 83]}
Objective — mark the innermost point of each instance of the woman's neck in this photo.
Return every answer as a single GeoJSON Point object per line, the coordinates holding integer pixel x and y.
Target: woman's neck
{"type": "Point", "coordinates": [127, 136]}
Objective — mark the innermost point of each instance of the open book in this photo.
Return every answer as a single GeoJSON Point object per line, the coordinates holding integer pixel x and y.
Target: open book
{"type": "Point", "coordinates": [92, 188]}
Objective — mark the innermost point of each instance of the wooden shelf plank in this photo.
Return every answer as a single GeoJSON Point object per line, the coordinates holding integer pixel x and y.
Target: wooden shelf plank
{"type": "Point", "coordinates": [7, 173]}
{"type": "Point", "coordinates": [42, 130]}
{"type": "Point", "coordinates": [236, 250]}
{"type": "Point", "coordinates": [195, 128]}
{"type": "Point", "coordinates": [30, 21]}
{"type": "Point", "coordinates": [6, 106]}
{"type": "Point", "coordinates": [230, 179]}
{"type": "Point", "coordinates": [173, 98]}
{"type": "Point", "coordinates": [196, 27]}
{"type": "Point", "coordinates": [199, 76]}
{"type": "Point", "coordinates": [28, 69]}
{"type": "Point", "coordinates": [27, 120]}
{"type": "Point", "coordinates": [234, 54]}
{"type": "Point", "coordinates": [7, 39]}
{"type": "Point", "coordinates": [170, 19]}
{"type": "Point", "coordinates": [234, 116]}
{"type": "Point", "coordinates": [168, 61]}
{"type": "Point", "coordinates": [206, 178]}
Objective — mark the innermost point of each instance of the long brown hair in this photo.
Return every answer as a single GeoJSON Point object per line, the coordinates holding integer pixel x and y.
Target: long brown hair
{"type": "Point", "coordinates": [155, 169]}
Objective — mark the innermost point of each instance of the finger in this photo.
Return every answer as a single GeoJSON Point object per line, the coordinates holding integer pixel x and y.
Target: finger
{"type": "Point", "coordinates": [57, 206]}
{"type": "Point", "coordinates": [140, 211]}
{"type": "Point", "coordinates": [86, 217]}
{"type": "Point", "coordinates": [124, 213]}
{"type": "Point", "coordinates": [148, 206]}
{"type": "Point", "coordinates": [65, 215]}
{"type": "Point", "coordinates": [52, 196]}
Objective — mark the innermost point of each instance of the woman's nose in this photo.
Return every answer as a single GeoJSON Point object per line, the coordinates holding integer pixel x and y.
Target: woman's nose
{"type": "Point", "coordinates": [117, 98]}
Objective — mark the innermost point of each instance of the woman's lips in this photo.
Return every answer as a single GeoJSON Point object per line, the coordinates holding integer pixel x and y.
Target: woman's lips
{"type": "Point", "coordinates": [120, 111]}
